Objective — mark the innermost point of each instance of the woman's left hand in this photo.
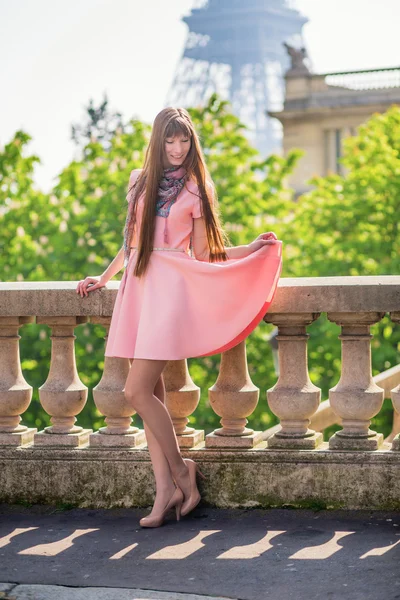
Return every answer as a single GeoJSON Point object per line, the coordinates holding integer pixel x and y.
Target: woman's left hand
{"type": "Point", "coordinates": [264, 239]}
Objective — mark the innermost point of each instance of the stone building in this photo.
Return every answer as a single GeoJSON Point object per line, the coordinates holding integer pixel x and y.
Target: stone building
{"type": "Point", "coordinates": [320, 110]}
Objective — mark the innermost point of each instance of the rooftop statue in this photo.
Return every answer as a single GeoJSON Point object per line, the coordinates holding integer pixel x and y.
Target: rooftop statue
{"type": "Point", "coordinates": [298, 57]}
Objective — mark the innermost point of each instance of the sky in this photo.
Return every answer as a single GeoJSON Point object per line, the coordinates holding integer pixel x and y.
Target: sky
{"type": "Point", "coordinates": [57, 54]}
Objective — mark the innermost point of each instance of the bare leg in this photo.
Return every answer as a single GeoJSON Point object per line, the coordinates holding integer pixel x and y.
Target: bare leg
{"type": "Point", "coordinates": [165, 485]}
{"type": "Point", "coordinates": [139, 392]}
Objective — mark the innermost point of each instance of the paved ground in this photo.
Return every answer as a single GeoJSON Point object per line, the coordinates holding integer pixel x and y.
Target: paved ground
{"type": "Point", "coordinates": [48, 553]}
{"type": "Point", "coordinates": [50, 592]}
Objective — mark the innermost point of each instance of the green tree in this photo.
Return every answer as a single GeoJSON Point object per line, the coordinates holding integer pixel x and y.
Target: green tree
{"type": "Point", "coordinates": [101, 125]}
{"type": "Point", "coordinates": [21, 208]}
{"type": "Point", "coordinates": [348, 225]}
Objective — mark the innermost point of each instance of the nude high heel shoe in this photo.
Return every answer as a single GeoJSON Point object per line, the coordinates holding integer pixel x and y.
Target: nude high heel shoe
{"type": "Point", "coordinates": [194, 497]}
{"type": "Point", "coordinates": [157, 520]}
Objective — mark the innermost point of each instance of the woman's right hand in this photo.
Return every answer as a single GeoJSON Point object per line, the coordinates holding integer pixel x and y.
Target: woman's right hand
{"type": "Point", "coordinates": [89, 284]}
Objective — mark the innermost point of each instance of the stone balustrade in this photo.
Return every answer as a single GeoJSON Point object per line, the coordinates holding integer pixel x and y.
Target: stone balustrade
{"type": "Point", "coordinates": [289, 464]}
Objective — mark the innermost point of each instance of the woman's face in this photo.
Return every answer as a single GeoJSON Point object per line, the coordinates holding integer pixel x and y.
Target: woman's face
{"type": "Point", "coordinates": [176, 150]}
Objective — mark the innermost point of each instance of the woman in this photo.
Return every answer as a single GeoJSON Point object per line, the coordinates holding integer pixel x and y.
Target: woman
{"type": "Point", "coordinates": [173, 305]}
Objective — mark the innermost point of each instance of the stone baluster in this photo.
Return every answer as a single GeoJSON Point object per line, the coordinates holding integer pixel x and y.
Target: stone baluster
{"type": "Point", "coordinates": [182, 399]}
{"type": "Point", "coordinates": [234, 397]}
{"type": "Point", "coordinates": [63, 395]}
{"type": "Point", "coordinates": [356, 398]}
{"type": "Point", "coordinates": [109, 398]}
{"type": "Point", "coordinates": [15, 392]}
{"type": "Point", "coordinates": [395, 393]}
{"type": "Point", "coordinates": [294, 398]}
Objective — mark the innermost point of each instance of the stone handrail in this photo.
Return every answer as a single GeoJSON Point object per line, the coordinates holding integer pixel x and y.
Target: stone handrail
{"type": "Point", "coordinates": [353, 303]}
{"type": "Point", "coordinates": [294, 294]}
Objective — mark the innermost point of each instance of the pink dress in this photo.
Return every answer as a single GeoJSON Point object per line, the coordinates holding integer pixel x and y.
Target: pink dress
{"type": "Point", "coordinates": [184, 307]}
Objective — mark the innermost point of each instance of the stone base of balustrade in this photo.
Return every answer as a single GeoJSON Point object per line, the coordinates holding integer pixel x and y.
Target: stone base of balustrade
{"type": "Point", "coordinates": [309, 442]}
{"type": "Point", "coordinates": [117, 440]}
{"type": "Point", "coordinates": [235, 478]}
{"type": "Point", "coordinates": [341, 442]}
{"type": "Point", "coordinates": [76, 440]}
{"type": "Point", "coordinates": [396, 443]}
{"type": "Point", "coordinates": [18, 438]}
{"type": "Point", "coordinates": [252, 440]}
{"type": "Point", "coordinates": [191, 440]}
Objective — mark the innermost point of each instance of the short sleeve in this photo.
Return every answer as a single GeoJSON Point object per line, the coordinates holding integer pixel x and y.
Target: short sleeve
{"type": "Point", "coordinates": [196, 208]}
{"type": "Point", "coordinates": [132, 178]}
{"type": "Point", "coordinates": [197, 203]}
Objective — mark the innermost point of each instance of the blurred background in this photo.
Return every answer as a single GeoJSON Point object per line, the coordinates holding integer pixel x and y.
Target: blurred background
{"type": "Point", "coordinates": [58, 55]}
{"type": "Point", "coordinates": [297, 106]}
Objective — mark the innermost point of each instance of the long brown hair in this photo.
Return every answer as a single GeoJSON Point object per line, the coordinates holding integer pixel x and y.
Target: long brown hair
{"type": "Point", "coordinates": [169, 123]}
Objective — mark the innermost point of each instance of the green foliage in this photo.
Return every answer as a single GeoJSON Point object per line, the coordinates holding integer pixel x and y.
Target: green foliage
{"type": "Point", "coordinates": [20, 210]}
{"type": "Point", "coordinates": [101, 124]}
{"type": "Point", "coordinates": [346, 226]}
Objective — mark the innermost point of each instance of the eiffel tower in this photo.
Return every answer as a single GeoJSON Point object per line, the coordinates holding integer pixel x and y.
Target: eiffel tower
{"type": "Point", "coordinates": [235, 48]}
